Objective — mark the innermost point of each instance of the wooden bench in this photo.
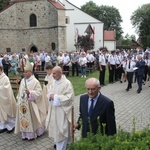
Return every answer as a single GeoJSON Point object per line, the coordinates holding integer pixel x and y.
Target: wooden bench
{"type": "Point", "coordinates": [15, 84]}
{"type": "Point", "coordinates": [65, 73]}
{"type": "Point", "coordinates": [89, 70]}
{"type": "Point", "coordinates": [42, 74]}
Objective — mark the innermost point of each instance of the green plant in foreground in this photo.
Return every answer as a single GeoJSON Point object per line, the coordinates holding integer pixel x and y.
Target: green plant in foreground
{"type": "Point", "coordinates": [136, 140]}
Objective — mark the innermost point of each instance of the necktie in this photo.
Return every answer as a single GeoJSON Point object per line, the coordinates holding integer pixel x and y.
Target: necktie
{"type": "Point", "coordinates": [129, 64]}
{"type": "Point", "coordinates": [91, 107]}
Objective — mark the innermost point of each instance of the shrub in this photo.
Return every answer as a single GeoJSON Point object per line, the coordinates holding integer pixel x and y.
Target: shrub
{"type": "Point", "coordinates": [136, 140]}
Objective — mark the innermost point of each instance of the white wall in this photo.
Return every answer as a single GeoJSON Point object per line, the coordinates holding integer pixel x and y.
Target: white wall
{"type": "Point", "coordinates": [111, 45]}
{"type": "Point", "coordinates": [79, 21]}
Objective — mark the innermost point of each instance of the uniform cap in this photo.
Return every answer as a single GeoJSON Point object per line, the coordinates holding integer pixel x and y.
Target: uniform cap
{"type": "Point", "coordinates": [113, 51]}
{"type": "Point", "coordinates": [129, 56]}
{"type": "Point", "coordinates": [104, 50]}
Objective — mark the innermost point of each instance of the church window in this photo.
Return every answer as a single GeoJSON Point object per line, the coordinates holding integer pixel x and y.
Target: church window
{"type": "Point", "coordinates": [53, 46]}
{"type": "Point", "coordinates": [8, 50]}
{"type": "Point", "coordinates": [33, 20]}
{"type": "Point", "coordinates": [67, 20]}
{"type": "Point", "coordinates": [23, 50]}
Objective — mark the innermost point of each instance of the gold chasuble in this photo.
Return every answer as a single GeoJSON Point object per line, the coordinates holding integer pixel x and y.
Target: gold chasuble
{"type": "Point", "coordinates": [29, 114]}
{"type": "Point", "coordinates": [24, 113]}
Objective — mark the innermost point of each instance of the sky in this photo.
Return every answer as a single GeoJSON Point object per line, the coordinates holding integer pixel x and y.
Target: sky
{"type": "Point", "coordinates": [125, 7]}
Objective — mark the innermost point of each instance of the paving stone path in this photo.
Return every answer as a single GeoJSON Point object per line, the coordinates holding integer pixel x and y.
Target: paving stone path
{"type": "Point", "coordinates": [128, 105]}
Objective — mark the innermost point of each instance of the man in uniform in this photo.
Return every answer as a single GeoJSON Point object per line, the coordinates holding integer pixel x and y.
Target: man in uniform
{"type": "Point", "coordinates": [30, 109]}
{"type": "Point", "coordinates": [112, 66]}
{"type": "Point", "coordinates": [102, 66]}
{"type": "Point", "coordinates": [129, 71]}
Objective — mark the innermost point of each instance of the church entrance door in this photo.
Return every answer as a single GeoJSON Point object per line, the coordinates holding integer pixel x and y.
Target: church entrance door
{"type": "Point", "coordinates": [33, 49]}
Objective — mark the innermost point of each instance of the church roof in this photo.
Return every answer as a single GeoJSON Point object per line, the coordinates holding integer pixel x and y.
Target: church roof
{"type": "Point", "coordinates": [56, 4]}
{"type": "Point", "coordinates": [136, 44]}
{"type": "Point", "coordinates": [109, 36]}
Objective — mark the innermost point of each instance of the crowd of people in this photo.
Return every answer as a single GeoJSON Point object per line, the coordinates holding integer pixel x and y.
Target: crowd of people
{"type": "Point", "coordinates": [79, 62]}
{"type": "Point", "coordinates": [75, 61]}
{"type": "Point", "coordinates": [38, 109]}
{"type": "Point", "coordinates": [122, 65]}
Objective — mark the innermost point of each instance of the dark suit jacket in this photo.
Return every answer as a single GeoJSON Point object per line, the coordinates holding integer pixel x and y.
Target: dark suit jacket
{"type": "Point", "coordinates": [141, 67]}
{"type": "Point", "coordinates": [6, 64]}
{"type": "Point", "coordinates": [104, 109]}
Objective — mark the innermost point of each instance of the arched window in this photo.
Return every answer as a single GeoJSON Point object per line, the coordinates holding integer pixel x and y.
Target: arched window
{"type": "Point", "coordinates": [53, 46]}
{"type": "Point", "coordinates": [33, 20]}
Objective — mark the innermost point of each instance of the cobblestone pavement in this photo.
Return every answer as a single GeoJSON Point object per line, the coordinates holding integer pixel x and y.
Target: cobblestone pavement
{"type": "Point", "coordinates": [128, 105]}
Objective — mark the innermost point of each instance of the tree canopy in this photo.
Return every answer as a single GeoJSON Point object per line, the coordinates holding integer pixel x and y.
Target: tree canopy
{"type": "Point", "coordinates": [3, 3]}
{"type": "Point", "coordinates": [140, 20]}
{"type": "Point", "coordinates": [109, 15]}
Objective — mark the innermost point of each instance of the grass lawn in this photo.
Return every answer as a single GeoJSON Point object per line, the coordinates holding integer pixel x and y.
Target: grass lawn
{"type": "Point", "coordinates": [78, 82]}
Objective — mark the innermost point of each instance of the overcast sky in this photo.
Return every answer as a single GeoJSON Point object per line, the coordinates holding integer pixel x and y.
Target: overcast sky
{"type": "Point", "coordinates": [125, 7]}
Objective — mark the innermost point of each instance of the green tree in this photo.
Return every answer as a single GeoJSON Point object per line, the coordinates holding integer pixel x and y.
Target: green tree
{"type": "Point", "coordinates": [3, 3]}
{"type": "Point", "coordinates": [109, 15]}
{"type": "Point", "coordinates": [140, 20]}
{"type": "Point", "coordinates": [133, 37]}
{"type": "Point", "coordinates": [85, 42]}
{"type": "Point", "coordinates": [126, 40]}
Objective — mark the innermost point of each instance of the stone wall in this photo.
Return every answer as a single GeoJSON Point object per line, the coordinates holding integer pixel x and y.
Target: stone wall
{"type": "Point", "coordinates": [16, 33]}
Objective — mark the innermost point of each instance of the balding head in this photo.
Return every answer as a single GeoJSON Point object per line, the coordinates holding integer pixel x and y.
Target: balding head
{"type": "Point", "coordinates": [57, 72]}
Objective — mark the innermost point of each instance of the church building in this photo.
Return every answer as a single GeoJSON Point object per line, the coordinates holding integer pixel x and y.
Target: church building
{"type": "Point", "coordinates": [37, 25]}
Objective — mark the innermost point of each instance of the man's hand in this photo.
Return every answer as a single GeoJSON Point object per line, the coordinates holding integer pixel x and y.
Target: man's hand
{"type": "Point", "coordinates": [27, 92]}
{"type": "Point", "coordinates": [51, 96]}
{"type": "Point", "coordinates": [74, 127]}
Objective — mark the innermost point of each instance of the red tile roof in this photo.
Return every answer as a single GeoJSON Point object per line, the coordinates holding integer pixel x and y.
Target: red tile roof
{"type": "Point", "coordinates": [109, 36]}
{"type": "Point", "coordinates": [56, 4]}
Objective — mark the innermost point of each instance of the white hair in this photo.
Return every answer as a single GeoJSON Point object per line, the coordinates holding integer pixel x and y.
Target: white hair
{"type": "Point", "coordinates": [93, 80]}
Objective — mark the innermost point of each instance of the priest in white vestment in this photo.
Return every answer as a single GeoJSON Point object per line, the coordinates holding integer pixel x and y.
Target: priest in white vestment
{"type": "Point", "coordinates": [30, 108]}
{"type": "Point", "coordinates": [47, 82]}
{"type": "Point", "coordinates": [60, 95]}
{"type": "Point", "coordinates": [7, 104]}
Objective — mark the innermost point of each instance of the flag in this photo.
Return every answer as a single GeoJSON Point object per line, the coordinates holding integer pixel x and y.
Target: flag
{"type": "Point", "coordinates": [89, 30]}
{"type": "Point", "coordinates": [93, 36]}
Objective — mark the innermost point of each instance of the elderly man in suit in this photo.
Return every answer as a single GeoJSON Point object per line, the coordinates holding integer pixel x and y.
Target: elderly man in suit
{"type": "Point", "coordinates": [96, 109]}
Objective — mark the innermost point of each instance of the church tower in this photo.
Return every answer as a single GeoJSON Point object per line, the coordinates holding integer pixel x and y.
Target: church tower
{"type": "Point", "coordinates": [33, 25]}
